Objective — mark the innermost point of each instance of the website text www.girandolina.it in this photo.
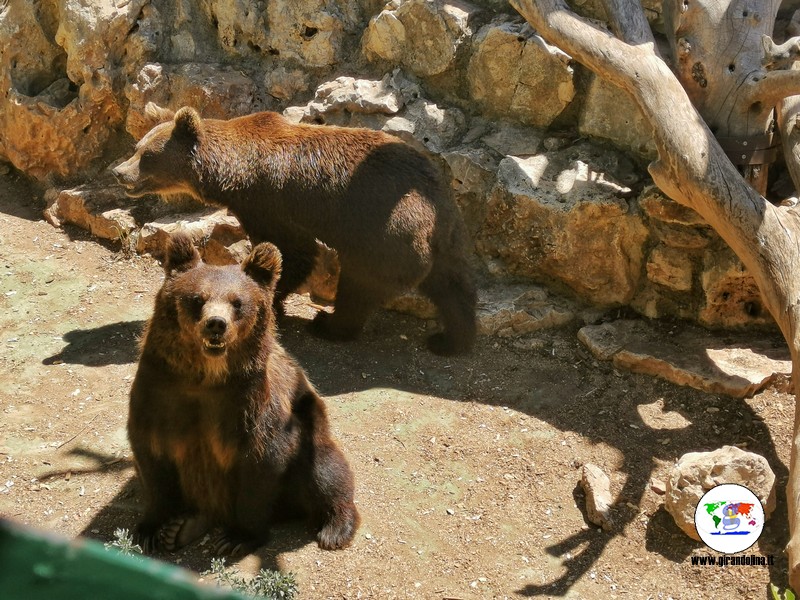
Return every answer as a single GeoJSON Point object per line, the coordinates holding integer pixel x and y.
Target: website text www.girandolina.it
{"type": "Point", "coordinates": [750, 560]}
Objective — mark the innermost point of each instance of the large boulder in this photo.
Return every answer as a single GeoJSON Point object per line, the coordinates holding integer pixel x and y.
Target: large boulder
{"type": "Point", "coordinates": [424, 36]}
{"type": "Point", "coordinates": [60, 106]}
{"type": "Point", "coordinates": [514, 74]}
{"type": "Point", "coordinates": [393, 104]}
{"type": "Point", "coordinates": [553, 217]}
{"type": "Point", "coordinates": [218, 93]}
{"type": "Point", "coordinates": [698, 472]}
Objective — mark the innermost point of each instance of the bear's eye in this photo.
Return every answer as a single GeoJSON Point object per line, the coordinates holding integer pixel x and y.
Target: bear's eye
{"type": "Point", "coordinates": [197, 301]}
{"type": "Point", "coordinates": [236, 303]}
{"type": "Point", "coordinates": [194, 304]}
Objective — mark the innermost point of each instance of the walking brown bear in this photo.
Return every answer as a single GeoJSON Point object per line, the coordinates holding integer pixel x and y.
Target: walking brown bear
{"type": "Point", "coordinates": [377, 201]}
{"type": "Point", "coordinates": [226, 430]}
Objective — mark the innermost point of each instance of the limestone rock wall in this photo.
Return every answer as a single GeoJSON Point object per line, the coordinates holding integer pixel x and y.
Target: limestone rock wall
{"type": "Point", "coordinates": [546, 161]}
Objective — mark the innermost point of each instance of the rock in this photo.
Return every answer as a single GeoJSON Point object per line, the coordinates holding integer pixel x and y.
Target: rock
{"type": "Point", "coordinates": [658, 486]}
{"type": "Point", "coordinates": [324, 278]}
{"type": "Point", "coordinates": [202, 226]}
{"type": "Point", "coordinates": [423, 36]}
{"type": "Point", "coordinates": [241, 27]}
{"type": "Point", "coordinates": [611, 114]}
{"type": "Point", "coordinates": [472, 176]}
{"type": "Point", "coordinates": [697, 472]}
{"type": "Point", "coordinates": [509, 139]}
{"type": "Point", "coordinates": [98, 208]}
{"type": "Point", "coordinates": [215, 252]}
{"type": "Point", "coordinates": [513, 73]}
{"type": "Point", "coordinates": [355, 96]}
{"type": "Point", "coordinates": [393, 104]}
{"type": "Point", "coordinates": [553, 218]}
{"type": "Point", "coordinates": [738, 366]}
{"type": "Point", "coordinates": [284, 84]}
{"type": "Point", "coordinates": [657, 206]}
{"type": "Point", "coordinates": [732, 298]}
{"type": "Point", "coordinates": [413, 303]}
{"type": "Point", "coordinates": [597, 487]}
{"type": "Point", "coordinates": [310, 32]}
{"type": "Point", "coordinates": [60, 105]}
{"type": "Point", "coordinates": [671, 268]}
{"type": "Point", "coordinates": [216, 93]}
{"type": "Point", "coordinates": [519, 310]}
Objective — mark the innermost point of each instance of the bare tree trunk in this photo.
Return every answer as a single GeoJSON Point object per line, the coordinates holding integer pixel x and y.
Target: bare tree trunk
{"type": "Point", "coordinates": [717, 49]}
{"type": "Point", "coordinates": [693, 169]}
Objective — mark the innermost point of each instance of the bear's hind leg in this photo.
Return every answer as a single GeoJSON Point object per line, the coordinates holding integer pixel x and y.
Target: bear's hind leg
{"type": "Point", "coordinates": [354, 304]}
{"type": "Point", "coordinates": [233, 543]}
{"type": "Point", "coordinates": [336, 515]}
{"type": "Point", "coordinates": [453, 292]}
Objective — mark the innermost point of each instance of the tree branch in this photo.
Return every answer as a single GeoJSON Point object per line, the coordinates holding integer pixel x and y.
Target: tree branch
{"type": "Point", "coordinates": [628, 22]}
{"type": "Point", "coordinates": [788, 113]}
{"type": "Point", "coordinates": [769, 88]}
{"type": "Point", "coordinates": [780, 56]}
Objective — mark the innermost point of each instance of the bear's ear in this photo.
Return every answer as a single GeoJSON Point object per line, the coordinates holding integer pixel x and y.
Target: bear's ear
{"type": "Point", "coordinates": [188, 124]}
{"type": "Point", "coordinates": [158, 114]}
{"type": "Point", "coordinates": [181, 254]}
{"type": "Point", "coordinates": [264, 265]}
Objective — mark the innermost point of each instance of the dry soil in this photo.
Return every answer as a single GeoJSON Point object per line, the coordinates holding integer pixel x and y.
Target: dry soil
{"type": "Point", "coordinates": [467, 468]}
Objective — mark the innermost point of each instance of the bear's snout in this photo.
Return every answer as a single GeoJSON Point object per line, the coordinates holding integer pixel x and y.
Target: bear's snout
{"type": "Point", "coordinates": [213, 330]}
{"type": "Point", "coordinates": [216, 326]}
{"type": "Point", "coordinates": [127, 175]}
{"type": "Point", "coordinates": [120, 172]}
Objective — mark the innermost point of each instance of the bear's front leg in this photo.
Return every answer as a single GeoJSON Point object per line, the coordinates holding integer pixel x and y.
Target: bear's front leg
{"type": "Point", "coordinates": [163, 499]}
{"type": "Point", "coordinates": [299, 258]}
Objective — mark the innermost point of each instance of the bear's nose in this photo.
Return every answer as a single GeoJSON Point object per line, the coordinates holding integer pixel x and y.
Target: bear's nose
{"type": "Point", "coordinates": [117, 173]}
{"type": "Point", "coordinates": [216, 326]}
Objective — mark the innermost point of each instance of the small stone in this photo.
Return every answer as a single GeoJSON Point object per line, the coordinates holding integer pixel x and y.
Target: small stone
{"type": "Point", "coordinates": [658, 486]}
{"type": "Point", "coordinates": [597, 486]}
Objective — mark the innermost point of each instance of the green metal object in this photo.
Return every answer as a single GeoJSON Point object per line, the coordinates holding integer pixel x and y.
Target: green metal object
{"type": "Point", "coordinates": [39, 566]}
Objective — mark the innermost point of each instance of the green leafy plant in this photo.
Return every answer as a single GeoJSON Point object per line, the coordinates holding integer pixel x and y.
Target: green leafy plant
{"type": "Point", "coordinates": [123, 543]}
{"type": "Point", "coordinates": [270, 585]}
{"type": "Point", "coordinates": [787, 593]}
{"type": "Point", "coordinates": [266, 584]}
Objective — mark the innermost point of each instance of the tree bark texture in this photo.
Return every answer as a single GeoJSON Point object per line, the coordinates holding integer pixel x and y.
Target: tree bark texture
{"type": "Point", "coordinates": [685, 112]}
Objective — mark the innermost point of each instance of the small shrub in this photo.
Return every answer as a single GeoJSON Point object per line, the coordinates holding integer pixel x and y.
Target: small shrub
{"type": "Point", "coordinates": [123, 543]}
{"type": "Point", "coordinates": [266, 584]}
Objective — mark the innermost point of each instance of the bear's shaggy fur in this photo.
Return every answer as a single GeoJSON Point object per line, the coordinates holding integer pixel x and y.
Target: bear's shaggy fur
{"type": "Point", "coordinates": [377, 201]}
{"type": "Point", "coordinates": [225, 428]}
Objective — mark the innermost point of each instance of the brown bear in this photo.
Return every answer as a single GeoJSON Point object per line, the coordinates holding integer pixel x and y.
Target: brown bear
{"type": "Point", "coordinates": [226, 431]}
{"type": "Point", "coordinates": [377, 201]}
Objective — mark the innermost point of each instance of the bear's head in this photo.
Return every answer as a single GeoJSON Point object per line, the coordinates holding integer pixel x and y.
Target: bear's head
{"type": "Point", "coordinates": [214, 320]}
{"type": "Point", "coordinates": [163, 160]}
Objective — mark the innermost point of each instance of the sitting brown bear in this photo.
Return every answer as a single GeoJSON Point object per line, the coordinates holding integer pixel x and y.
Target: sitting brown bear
{"type": "Point", "coordinates": [377, 201]}
{"type": "Point", "coordinates": [226, 430]}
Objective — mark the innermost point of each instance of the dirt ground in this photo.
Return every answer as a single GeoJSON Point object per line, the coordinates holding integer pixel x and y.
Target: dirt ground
{"type": "Point", "coordinates": [467, 468]}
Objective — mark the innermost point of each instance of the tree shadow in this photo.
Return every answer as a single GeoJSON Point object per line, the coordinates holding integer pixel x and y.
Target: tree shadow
{"type": "Point", "coordinates": [112, 344]}
{"type": "Point", "coordinates": [602, 406]}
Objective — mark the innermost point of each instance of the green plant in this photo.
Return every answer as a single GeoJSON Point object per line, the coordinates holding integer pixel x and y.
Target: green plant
{"type": "Point", "coordinates": [787, 593]}
{"type": "Point", "coordinates": [123, 543]}
{"type": "Point", "coordinates": [266, 584]}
